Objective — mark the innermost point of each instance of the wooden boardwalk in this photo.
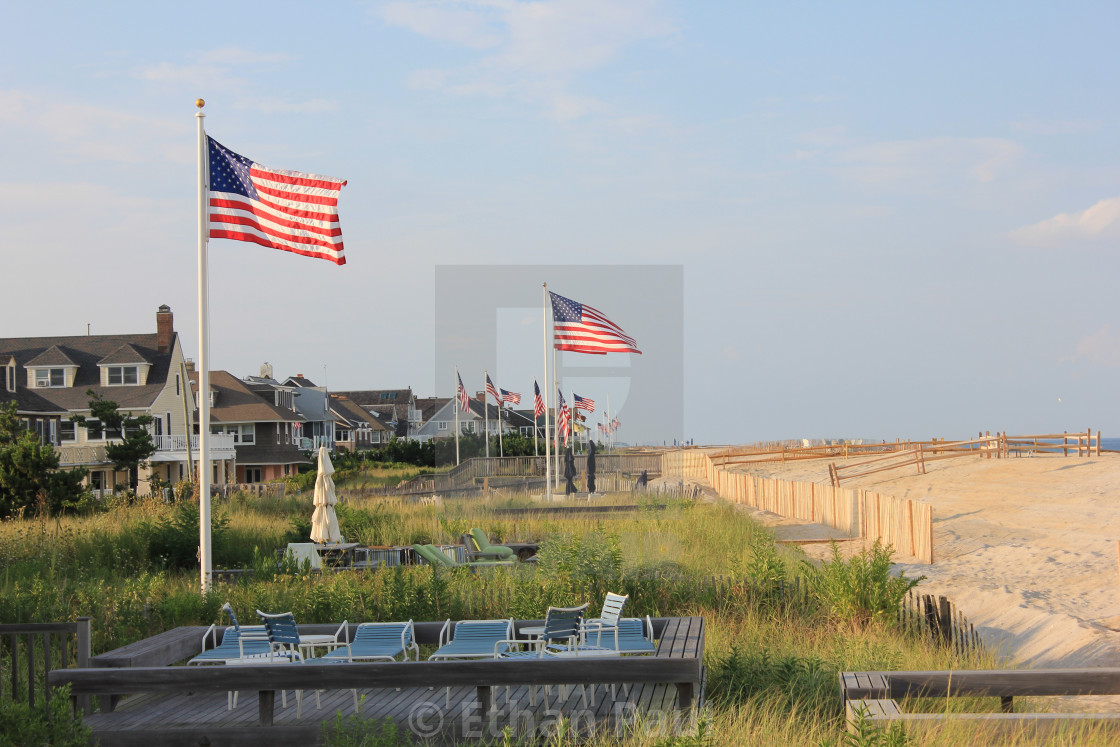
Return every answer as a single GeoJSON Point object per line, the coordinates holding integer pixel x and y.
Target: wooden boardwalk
{"type": "Point", "coordinates": [167, 710]}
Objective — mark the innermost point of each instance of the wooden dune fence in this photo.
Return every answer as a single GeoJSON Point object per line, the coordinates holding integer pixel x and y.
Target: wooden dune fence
{"type": "Point", "coordinates": [904, 524]}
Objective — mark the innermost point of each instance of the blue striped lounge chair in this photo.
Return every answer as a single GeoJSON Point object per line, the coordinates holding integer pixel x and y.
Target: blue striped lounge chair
{"type": "Point", "coordinates": [472, 639]}
{"type": "Point", "coordinates": [238, 642]}
{"type": "Point", "coordinates": [383, 641]}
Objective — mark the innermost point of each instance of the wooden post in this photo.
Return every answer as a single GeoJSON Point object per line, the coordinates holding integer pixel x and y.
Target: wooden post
{"type": "Point", "coordinates": [910, 523]}
{"type": "Point", "coordinates": [83, 646]}
{"type": "Point", "coordinates": [484, 700]}
{"type": "Point", "coordinates": [684, 696]}
{"type": "Point", "coordinates": [266, 701]}
{"type": "Point", "coordinates": [1098, 443]}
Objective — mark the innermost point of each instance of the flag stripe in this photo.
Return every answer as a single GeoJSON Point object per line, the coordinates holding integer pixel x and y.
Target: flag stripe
{"type": "Point", "coordinates": [581, 328]}
{"type": "Point", "coordinates": [287, 210]}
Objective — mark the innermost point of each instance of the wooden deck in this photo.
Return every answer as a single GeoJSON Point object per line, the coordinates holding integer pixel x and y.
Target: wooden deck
{"type": "Point", "coordinates": [181, 705]}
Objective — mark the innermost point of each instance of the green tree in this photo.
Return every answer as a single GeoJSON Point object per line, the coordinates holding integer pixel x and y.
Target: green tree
{"type": "Point", "coordinates": [29, 470]}
{"type": "Point", "coordinates": [135, 444]}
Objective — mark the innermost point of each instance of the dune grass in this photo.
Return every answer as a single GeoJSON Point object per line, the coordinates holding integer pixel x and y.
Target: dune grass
{"type": "Point", "coordinates": [773, 657]}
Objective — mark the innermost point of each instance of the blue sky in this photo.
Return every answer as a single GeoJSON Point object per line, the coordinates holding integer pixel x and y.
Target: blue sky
{"type": "Point", "coordinates": [892, 220]}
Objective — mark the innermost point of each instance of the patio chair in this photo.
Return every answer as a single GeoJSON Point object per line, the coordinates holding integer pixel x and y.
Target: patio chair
{"type": "Point", "coordinates": [437, 557]}
{"type": "Point", "coordinates": [472, 639]}
{"type": "Point", "coordinates": [383, 641]}
{"type": "Point", "coordinates": [484, 549]}
{"type": "Point", "coordinates": [561, 632]}
{"type": "Point", "coordinates": [286, 646]}
{"type": "Point", "coordinates": [238, 642]}
{"type": "Point", "coordinates": [607, 619]}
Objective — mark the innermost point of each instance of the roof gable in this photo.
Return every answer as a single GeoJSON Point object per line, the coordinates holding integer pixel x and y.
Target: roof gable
{"type": "Point", "coordinates": [52, 356]}
{"type": "Point", "coordinates": [124, 354]}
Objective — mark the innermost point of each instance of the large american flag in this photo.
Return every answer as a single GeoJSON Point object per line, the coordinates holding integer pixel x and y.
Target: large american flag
{"type": "Point", "coordinates": [514, 398]}
{"type": "Point", "coordinates": [563, 418]}
{"type": "Point", "coordinates": [538, 401]}
{"type": "Point", "coordinates": [284, 210]}
{"type": "Point", "coordinates": [583, 403]}
{"type": "Point", "coordinates": [583, 329]}
{"type": "Point", "coordinates": [464, 400]}
{"type": "Point", "coordinates": [491, 389]}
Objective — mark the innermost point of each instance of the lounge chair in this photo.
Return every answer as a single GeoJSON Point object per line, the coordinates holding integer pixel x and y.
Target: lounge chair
{"type": "Point", "coordinates": [238, 642]}
{"type": "Point", "coordinates": [287, 646]}
{"type": "Point", "coordinates": [383, 641]}
{"type": "Point", "coordinates": [483, 549]}
{"type": "Point", "coordinates": [434, 556]}
{"type": "Point", "coordinates": [472, 639]}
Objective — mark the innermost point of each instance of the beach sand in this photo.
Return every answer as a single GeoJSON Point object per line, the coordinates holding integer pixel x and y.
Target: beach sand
{"type": "Point", "coordinates": [1026, 547]}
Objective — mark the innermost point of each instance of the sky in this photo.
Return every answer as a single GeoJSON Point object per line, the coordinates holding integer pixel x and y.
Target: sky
{"type": "Point", "coordinates": [892, 220]}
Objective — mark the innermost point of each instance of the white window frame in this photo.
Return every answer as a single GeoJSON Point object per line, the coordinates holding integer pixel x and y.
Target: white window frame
{"type": "Point", "coordinates": [44, 378]}
{"type": "Point", "coordinates": [122, 372]}
{"type": "Point", "coordinates": [67, 426]}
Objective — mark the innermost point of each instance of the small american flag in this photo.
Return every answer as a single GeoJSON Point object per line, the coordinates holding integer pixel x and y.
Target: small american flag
{"type": "Point", "coordinates": [464, 400]}
{"type": "Point", "coordinates": [514, 398]}
{"type": "Point", "coordinates": [285, 210]}
{"type": "Point", "coordinates": [583, 403]}
{"type": "Point", "coordinates": [491, 389]}
{"type": "Point", "coordinates": [583, 329]}
{"type": "Point", "coordinates": [538, 401]}
{"type": "Point", "coordinates": [563, 418]}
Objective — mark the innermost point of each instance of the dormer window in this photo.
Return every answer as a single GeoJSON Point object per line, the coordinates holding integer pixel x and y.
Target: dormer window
{"type": "Point", "coordinates": [123, 375]}
{"type": "Point", "coordinates": [10, 377]}
{"type": "Point", "coordinates": [50, 377]}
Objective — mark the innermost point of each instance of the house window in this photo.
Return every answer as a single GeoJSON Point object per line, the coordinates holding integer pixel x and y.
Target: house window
{"type": "Point", "coordinates": [252, 474]}
{"type": "Point", "coordinates": [176, 385]}
{"type": "Point", "coordinates": [94, 431]}
{"type": "Point", "coordinates": [50, 377]}
{"type": "Point", "coordinates": [242, 434]}
{"type": "Point", "coordinates": [11, 378]}
{"type": "Point", "coordinates": [442, 425]}
{"type": "Point", "coordinates": [123, 375]}
{"type": "Point", "coordinates": [66, 431]}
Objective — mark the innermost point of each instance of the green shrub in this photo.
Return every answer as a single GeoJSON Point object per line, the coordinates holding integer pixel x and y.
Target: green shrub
{"type": "Point", "coordinates": [860, 590]}
{"type": "Point", "coordinates": [22, 725]}
{"type": "Point", "coordinates": [173, 540]}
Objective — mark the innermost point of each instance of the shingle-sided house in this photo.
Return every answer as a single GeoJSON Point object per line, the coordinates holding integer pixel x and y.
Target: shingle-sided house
{"type": "Point", "coordinates": [145, 374]}
{"type": "Point", "coordinates": [395, 408]}
{"type": "Point", "coordinates": [357, 429]}
{"type": "Point", "coordinates": [264, 432]}
{"type": "Point", "coordinates": [438, 418]}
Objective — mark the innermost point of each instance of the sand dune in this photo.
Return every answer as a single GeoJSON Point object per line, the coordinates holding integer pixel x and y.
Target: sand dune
{"type": "Point", "coordinates": [1025, 546]}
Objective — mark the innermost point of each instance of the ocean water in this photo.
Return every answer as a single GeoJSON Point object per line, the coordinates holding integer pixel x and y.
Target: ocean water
{"type": "Point", "coordinates": [1112, 444]}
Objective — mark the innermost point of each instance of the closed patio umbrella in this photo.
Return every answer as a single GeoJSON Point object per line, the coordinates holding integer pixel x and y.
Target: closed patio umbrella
{"type": "Point", "coordinates": [324, 522]}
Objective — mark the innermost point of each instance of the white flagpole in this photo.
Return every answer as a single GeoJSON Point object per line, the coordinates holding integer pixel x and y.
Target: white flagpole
{"type": "Point", "coordinates": [547, 455]}
{"type": "Point", "coordinates": [486, 410]}
{"type": "Point", "coordinates": [534, 420]}
{"type": "Point", "coordinates": [456, 401]}
{"type": "Point", "coordinates": [203, 356]}
{"type": "Point", "coordinates": [501, 446]}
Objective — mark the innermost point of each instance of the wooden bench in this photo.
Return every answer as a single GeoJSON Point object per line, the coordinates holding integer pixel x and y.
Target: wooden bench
{"type": "Point", "coordinates": [873, 696]}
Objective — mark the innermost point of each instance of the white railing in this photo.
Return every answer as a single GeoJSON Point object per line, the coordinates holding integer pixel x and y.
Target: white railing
{"type": "Point", "coordinates": [73, 454]}
{"type": "Point", "coordinates": [217, 441]}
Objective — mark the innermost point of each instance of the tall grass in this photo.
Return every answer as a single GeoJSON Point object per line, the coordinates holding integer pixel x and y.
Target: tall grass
{"type": "Point", "coordinates": [772, 659]}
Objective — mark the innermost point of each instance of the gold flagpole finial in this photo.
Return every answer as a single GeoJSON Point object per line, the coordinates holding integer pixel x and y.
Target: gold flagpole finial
{"type": "Point", "coordinates": [199, 103]}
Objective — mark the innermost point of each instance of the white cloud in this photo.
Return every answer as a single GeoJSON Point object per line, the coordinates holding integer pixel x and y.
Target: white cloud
{"type": "Point", "coordinates": [1101, 348]}
{"type": "Point", "coordinates": [532, 51]}
{"type": "Point", "coordinates": [1101, 221]}
{"type": "Point", "coordinates": [930, 160]}
{"type": "Point", "coordinates": [86, 131]}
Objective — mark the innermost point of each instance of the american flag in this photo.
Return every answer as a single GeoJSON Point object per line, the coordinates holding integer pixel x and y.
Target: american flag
{"type": "Point", "coordinates": [464, 400]}
{"type": "Point", "coordinates": [538, 401]}
{"type": "Point", "coordinates": [583, 329]}
{"type": "Point", "coordinates": [563, 418]}
{"type": "Point", "coordinates": [514, 398]}
{"type": "Point", "coordinates": [583, 403]}
{"type": "Point", "coordinates": [285, 210]}
{"type": "Point", "coordinates": [491, 389]}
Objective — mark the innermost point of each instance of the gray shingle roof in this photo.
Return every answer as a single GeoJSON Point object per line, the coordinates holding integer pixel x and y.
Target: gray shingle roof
{"type": "Point", "coordinates": [52, 356]}
{"type": "Point", "coordinates": [124, 354]}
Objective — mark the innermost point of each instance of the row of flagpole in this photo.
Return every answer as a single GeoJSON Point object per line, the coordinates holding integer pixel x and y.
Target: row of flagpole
{"type": "Point", "coordinates": [299, 214]}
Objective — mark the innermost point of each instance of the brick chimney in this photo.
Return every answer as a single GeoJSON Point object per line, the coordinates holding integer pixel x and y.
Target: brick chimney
{"type": "Point", "coordinates": [165, 329]}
